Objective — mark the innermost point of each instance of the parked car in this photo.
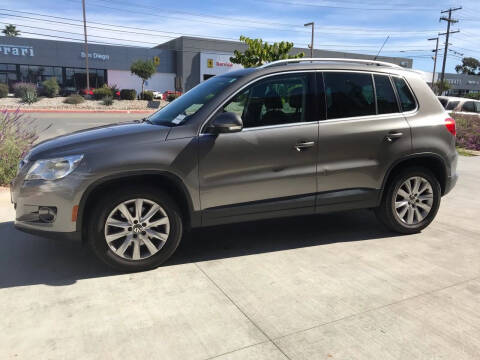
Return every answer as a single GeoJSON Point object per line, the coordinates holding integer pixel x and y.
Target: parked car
{"type": "Point", "coordinates": [290, 138]}
{"type": "Point", "coordinates": [168, 93]}
{"type": "Point", "coordinates": [68, 90]}
{"type": "Point", "coordinates": [87, 91]}
{"type": "Point", "coordinates": [462, 105]}
{"type": "Point", "coordinates": [156, 94]}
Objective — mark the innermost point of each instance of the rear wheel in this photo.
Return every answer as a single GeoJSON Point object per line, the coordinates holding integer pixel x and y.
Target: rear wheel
{"type": "Point", "coordinates": [411, 201]}
{"type": "Point", "coordinates": [135, 229]}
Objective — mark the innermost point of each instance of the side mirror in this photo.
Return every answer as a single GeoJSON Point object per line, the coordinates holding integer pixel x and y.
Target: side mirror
{"type": "Point", "coordinates": [227, 122]}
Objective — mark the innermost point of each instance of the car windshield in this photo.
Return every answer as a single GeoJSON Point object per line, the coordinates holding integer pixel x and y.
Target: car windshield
{"type": "Point", "coordinates": [182, 108]}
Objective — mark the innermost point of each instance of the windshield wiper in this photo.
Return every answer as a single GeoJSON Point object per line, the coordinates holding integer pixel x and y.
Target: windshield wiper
{"type": "Point", "coordinates": [147, 120]}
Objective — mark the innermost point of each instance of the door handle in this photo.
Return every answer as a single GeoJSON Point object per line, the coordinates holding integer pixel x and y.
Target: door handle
{"type": "Point", "coordinates": [393, 136]}
{"type": "Point", "coordinates": [304, 145]}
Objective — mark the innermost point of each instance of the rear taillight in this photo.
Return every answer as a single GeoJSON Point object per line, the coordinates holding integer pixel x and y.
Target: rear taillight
{"type": "Point", "coordinates": [450, 124]}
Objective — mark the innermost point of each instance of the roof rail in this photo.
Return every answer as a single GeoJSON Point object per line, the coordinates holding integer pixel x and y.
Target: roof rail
{"type": "Point", "coordinates": [344, 60]}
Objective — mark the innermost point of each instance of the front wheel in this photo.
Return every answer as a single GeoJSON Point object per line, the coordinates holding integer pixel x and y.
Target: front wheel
{"type": "Point", "coordinates": [410, 202]}
{"type": "Point", "coordinates": [135, 230]}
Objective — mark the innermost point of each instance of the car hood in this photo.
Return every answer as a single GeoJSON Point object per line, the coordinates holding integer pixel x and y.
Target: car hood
{"type": "Point", "coordinates": [102, 138]}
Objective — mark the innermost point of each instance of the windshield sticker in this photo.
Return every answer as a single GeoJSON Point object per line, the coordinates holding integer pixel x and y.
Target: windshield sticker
{"type": "Point", "coordinates": [179, 119]}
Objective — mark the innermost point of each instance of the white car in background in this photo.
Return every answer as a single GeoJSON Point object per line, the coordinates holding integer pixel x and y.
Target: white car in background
{"type": "Point", "coordinates": [460, 105]}
{"type": "Point", "coordinates": [156, 94]}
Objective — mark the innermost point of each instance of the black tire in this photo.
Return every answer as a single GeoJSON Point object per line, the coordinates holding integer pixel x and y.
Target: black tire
{"type": "Point", "coordinates": [105, 205]}
{"type": "Point", "coordinates": [386, 211]}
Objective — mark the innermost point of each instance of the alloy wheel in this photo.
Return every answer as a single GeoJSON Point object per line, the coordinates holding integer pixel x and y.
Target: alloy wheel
{"type": "Point", "coordinates": [413, 200]}
{"type": "Point", "coordinates": [137, 229]}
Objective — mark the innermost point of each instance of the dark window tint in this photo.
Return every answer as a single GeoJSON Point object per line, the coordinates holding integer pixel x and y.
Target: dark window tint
{"type": "Point", "coordinates": [452, 105]}
{"type": "Point", "coordinates": [386, 100]}
{"type": "Point", "coordinates": [406, 98]}
{"type": "Point", "coordinates": [275, 100]}
{"type": "Point", "coordinates": [443, 101]}
{"type": "Point", "coordinates": [349, 94]}
{"type": "Point", "coordinates": [477, 107]}
{"type": "Point", "coordinates": [468, 106]}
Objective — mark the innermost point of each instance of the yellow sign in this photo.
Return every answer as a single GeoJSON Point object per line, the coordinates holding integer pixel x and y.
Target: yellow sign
{"type": "Point", "coordinates": [210, 63]}
{"type": "Point", "coordinates": [156, 60]}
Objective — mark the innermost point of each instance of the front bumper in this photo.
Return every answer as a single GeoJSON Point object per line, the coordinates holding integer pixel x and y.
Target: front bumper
{"type": "Point", "coordinates": [30, 198]}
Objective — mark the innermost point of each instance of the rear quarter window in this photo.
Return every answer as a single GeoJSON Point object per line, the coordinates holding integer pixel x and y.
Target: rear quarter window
{"type": "Point", "coordinates": [452, 105]}
{"type": "Point", "coordinates": [407, 100]}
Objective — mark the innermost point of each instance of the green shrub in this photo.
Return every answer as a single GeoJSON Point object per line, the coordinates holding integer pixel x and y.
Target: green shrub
{"type": "Point", "coordinates": [3, 90]}
{"type": "Point", "coordinates": [102, 92]}
{"type": "Point", "coordinates": [16, 137]}
{"type": "Point", "coordinates": [20, 89]}
{"type": "Point", "coordinates": [128, 94]}
{"type": "Point", "coordinates": [50, 87]}
{"type": "Point", "coordinates": [146, 95]}
{"type": "Point", "coordinates": [171, 97]}
{"type": "Point", "coordinates": [30, 96]}
{"type": "Point", "coordinates": [475, 96]}
{"type": "Point", "coordinates": [74, 99]}
{"type": "Point", "coordinates": [108, 100]}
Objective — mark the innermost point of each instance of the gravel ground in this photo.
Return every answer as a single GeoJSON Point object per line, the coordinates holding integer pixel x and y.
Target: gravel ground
{"type": "Point", "coordinates": [57, 103]}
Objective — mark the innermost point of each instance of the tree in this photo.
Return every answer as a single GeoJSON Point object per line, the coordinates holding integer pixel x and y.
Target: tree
{"type": "Point", "coordinates": [10, 30]}
{"type": "Point", "coordinates": [260, 52]}
{"type": "Point", "coordinates": [439, 88]}
{"type": "Point", "coordinates": [470, 66]}
{"type": "Point", "coordinates": [144, 69]}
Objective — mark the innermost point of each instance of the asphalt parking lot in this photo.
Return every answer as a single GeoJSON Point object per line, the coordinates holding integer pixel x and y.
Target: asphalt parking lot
{"type": "Point", "coordinates": [335, 286]}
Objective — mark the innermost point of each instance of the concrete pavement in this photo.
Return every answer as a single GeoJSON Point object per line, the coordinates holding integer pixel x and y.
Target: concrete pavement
{"type": "Point", "coordinates": [335, 286]}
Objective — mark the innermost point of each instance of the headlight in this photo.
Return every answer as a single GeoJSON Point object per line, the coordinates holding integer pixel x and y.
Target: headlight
{"type": "Point", "coordinates": [53, 169]}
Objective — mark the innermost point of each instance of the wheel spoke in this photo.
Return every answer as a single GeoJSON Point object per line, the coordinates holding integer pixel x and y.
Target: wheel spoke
{"type": "Point", "coordinates": [126, 243]}
{"type": "Point", "coordinates": [416, 185]}
{"type": "Point", "coordinates": [424, 206]}
{"type": "Point", "coordinates": [425, 197]}
{"type": "Point", "coordinates": [136, 250]}
{"type": "Point", "coordinates": [425, 186]}
{"type": "Point", "coordinates": [418, 215]}
{"type": "Point", "coordinates": [152, 248]}
{"type": "Point", "coordinates": [402, 213]}
{"type": "Point", "coordinates": [399, 204]}
{"type": "Point", "coordinates": [410, 216]}
{"type": "Point", "coordinates": [154, 209]}
{"type": "Point", "coordinates": [403, 193]}
{"type": "Point", "coordinates": [157, 234]}
{"type": "Point", "coordinates": [138, 208]}
{"type": "Point", "coordinates": [408, 185]}
{"type": "Point", "coordinates": [155, 223]}
{"type": "Point", "coordinates": [113, 237]}
{"type": "Point", "coordinates": [125, 212]}
{"type": "Point", "coordinates": [117, 223]}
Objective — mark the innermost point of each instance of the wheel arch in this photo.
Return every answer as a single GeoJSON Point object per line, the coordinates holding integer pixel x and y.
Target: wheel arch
{"type": "Point", "coordinates": [163, 180]}
{"type": "Point", "coordinates": [431, 161]}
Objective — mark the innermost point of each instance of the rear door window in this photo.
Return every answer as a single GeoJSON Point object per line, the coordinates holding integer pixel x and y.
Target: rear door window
{"type": "Point", "coordinates": [349, 94]}
{"type": "Point", "coordinates": [405, 95]}
{"type": "Point", "coordinates": [468, 106]}
{"type": "Point", "coordinates": [386, 99]}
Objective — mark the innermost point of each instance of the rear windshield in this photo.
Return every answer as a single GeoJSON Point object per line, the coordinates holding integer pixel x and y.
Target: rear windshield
{"type": "Point", "coordinates": [181, 109]}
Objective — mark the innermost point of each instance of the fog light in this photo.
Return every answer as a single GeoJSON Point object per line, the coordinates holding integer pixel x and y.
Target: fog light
{"type": "Point", "coordinates": [47, 214]}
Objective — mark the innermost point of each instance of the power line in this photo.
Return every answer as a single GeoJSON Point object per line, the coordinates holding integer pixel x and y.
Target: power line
{"type": "Point", "coordinates": [400, 8]}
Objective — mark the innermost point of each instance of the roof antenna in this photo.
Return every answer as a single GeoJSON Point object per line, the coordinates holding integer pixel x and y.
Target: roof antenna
{"type": "Point", "coordinates": [388, 37]}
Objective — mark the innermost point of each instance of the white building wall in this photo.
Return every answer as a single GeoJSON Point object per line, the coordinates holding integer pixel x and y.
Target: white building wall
{"type": "Point", "coordinates": [125, 80]}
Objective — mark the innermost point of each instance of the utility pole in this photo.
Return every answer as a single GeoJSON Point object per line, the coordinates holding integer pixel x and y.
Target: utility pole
{"type": "Point", "coordinates": [449, 21]}
{"type": "Point", "coordinates": [434, 61]}
{"type": "Point", "coordinates": [86, 44]}
{"type": "Point", "coordinates": [312, 24]}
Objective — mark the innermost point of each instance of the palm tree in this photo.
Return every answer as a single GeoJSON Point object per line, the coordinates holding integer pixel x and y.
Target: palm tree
{"type": "Point", "coordinates": [10, 30]}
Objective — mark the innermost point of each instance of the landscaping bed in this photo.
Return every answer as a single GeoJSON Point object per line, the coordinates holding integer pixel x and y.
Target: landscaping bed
{"type": "Point", "coordinates": [57, 103]}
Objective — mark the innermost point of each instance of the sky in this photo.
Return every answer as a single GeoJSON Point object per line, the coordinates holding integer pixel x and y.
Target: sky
{"type": "Point", "coordinates": [352, 26]}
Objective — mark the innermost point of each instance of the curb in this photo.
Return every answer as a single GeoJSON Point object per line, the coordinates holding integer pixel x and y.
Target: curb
{"type": "Point", "coordinates": [81, 111]}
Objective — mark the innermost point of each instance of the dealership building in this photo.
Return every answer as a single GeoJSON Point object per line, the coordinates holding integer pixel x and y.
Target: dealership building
{"type": "Point", "coordinates": [181, 63]}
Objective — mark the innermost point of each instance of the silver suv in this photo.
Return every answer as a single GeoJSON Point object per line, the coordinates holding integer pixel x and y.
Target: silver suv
{"type": "Point", "coordinates": [293, 137]}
